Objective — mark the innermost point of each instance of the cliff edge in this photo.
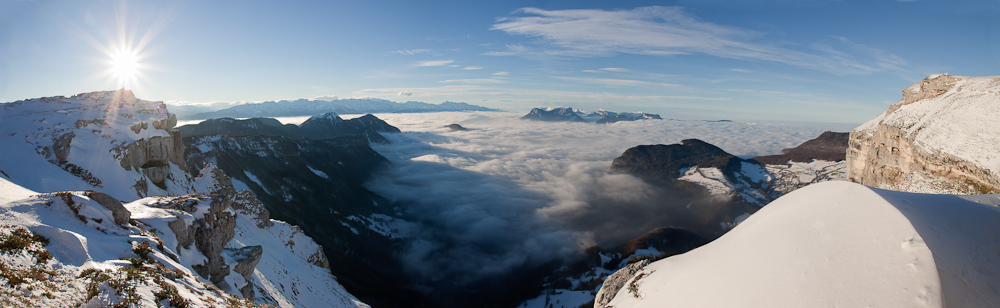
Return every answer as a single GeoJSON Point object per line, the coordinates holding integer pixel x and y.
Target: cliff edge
{"type": "Point", "coordinates": [942, 137]}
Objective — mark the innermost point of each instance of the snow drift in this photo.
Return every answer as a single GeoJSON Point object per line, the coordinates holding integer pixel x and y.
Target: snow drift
{"type": "Point", "coordinates": [838, 244]}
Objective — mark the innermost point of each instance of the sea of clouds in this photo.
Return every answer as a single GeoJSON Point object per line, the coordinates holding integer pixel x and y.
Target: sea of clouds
{"type": "Point", "coordinates": [509, 193]}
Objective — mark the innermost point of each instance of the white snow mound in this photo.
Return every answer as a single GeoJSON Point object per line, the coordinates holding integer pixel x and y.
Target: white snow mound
{"type": "Point", "coordinates": [839, 244]}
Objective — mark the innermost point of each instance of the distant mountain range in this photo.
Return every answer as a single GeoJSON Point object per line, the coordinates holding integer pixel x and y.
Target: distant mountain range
{"type": "Point", "coordinates": [305, 107]}
{"type": "Point", "coordinates": [568, 114]}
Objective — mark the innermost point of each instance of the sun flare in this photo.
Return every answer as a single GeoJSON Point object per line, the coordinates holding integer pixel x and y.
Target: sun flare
{"type": "Point", "coordinates": [125, 66]}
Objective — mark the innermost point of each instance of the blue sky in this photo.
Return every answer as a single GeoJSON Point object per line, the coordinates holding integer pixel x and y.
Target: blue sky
{"type": "Point", "coordinates": [826, 61]}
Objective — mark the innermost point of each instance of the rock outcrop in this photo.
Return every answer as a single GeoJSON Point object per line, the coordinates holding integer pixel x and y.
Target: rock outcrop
{"type": "Point", "coordinates": [209, 233]}
{"type": "Point", "coordinates": [616, 282]}
{"type": "Point", "coordinates": [942, 137]}
{"type": "Point", "coordinates": [118, 211]}
{"type": "Point", "coordinates": [246, 259]}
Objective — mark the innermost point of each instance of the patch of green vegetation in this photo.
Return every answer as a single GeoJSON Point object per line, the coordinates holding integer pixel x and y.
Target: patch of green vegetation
{"type": "Point", "coordinates": [22, 239]}
{"type": "Point", "coordinates": [169, 292]}
{"type": "Point", "coordinates": [18, 276]}
{"type": "Point", "coordinates": [81, 173]}
{"type": "Point", "coordinates": [234, 302]}
{"type": "Point", "coordinates": [96, 277]}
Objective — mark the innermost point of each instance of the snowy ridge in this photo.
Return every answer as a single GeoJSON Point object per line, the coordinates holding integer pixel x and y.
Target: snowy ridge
{"type": "Point", "coordinates": [77, 246]}
{"type": "Point", "coordinates": [88, 141]}
{"type": "Point", "coordinates": [838, 244]}
{"type": "Point", "coordinates": [960, 121]}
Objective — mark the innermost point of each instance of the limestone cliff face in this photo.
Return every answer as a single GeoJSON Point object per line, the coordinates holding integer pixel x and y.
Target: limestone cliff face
{"type": "Point", "coordinates": [942, 137]}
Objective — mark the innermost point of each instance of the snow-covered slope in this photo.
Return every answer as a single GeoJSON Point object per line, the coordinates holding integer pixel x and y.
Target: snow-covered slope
{"type": "Point", "coordinates": [749, 182]}
{"type": "Point", "coordinates": [795, 175]}
{"type": "Point", "coordinates": [942, 137]}
{"type": "Point", "coordinates": [838, 244]}
{"type": "Point", "coordinates": [67, 241]}
{"type": "Point", "coordinates": [96, 261]}
{"type": "Point", "coordinates": [108, 141]}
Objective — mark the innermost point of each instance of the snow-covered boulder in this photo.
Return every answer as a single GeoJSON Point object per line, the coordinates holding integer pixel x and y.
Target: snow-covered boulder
{"type": "Point", "coordinates": [942, 137]}
{"type": "Point", "coordinates": [838, 244]}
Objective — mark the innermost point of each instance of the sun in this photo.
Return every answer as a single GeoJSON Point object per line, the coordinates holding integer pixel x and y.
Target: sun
{"type": "Point", "coordinates": [124, 66]}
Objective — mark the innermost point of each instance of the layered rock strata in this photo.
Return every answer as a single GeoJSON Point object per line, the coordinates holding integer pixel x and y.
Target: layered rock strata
{"type": "Point", "coordinates": [942, 137]}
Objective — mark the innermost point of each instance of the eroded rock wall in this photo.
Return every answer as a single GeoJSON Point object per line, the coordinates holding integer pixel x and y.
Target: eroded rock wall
{"type": "Point", "coordinates": [890, 152]}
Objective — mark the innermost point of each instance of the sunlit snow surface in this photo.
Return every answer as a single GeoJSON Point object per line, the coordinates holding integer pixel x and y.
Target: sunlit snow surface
{"type": "Point", "coordinates": [83, 233]}
{"type": "Point", "coordinates": [283, 278]}
{"type": "Point", "coordinates": [839, 244]}
{"type": "Point", "coordinates": [960, 122]}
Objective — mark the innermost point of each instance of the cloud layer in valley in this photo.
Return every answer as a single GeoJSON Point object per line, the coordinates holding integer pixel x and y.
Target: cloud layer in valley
{"type": "Point", "coordinates": [510, 193]}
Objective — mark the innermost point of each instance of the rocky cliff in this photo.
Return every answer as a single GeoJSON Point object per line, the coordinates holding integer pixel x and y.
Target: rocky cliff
{"type": "Point", "coordinates": [942, 137]}
{"type": "Point", "coordinates": [316, 184]}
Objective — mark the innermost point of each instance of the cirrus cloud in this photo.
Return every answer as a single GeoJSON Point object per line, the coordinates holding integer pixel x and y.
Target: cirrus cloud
{"type": "Point", "coordinates": [434, 63]}
{"type": "Point", "coordinates": [670, 31]}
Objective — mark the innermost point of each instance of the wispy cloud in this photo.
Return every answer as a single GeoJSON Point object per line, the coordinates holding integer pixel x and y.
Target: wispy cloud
{"type": "Point", "coordinates": [324, 98]}
{"type": "Point", "coordinates": [413, 52]}
{"type": "Point", "coordinates": [608, 69]}
{"type": "Point", "coordinates": [475, 81]}
{"type": "Point", "coordinates": [622, 82]}
{"type": "Point", "coordinates": [740, 70]}
{"type": "Point", "coordinates": [434, 63]}
{"type": "Point", "coordinates": [665, 31]}
{"type": "Point", "coordinates": [472, 68]}
{"type": "Point", "coordinates": [501, 73]}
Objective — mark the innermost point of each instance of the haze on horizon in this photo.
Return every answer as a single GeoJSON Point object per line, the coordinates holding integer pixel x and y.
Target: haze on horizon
{"type": "Point", "coordinates": [824, 61]}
